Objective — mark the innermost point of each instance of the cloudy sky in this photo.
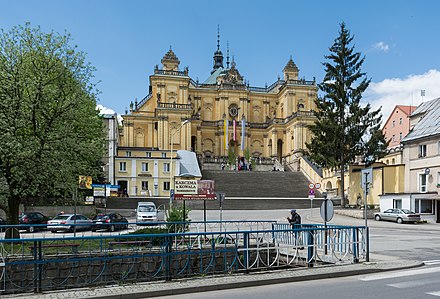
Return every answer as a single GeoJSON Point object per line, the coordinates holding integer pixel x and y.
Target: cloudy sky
{"type": "Point", "coordinates": [126, 39]}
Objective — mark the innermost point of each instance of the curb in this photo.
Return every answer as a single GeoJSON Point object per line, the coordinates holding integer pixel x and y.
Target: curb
{"type": "Point", "coordinates": [222, 282]}
{"type": "Point", "coordinates": [259, 280]}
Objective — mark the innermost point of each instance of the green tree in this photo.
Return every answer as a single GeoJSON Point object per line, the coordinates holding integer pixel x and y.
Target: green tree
{"type": "Point", "coordinates": [344, 129]}
{"type": "Point", "coordinates": [50, 129]}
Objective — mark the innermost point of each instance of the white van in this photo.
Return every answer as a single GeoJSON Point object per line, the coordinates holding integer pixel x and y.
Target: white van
{"type": "Point", "coordinates": [146, 212]}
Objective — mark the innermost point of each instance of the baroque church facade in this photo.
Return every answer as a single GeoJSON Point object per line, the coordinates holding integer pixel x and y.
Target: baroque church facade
{"type": "Point", "coordinates": [226, 115]}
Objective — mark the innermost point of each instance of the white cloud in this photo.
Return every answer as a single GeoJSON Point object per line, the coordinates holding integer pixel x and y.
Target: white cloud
{"type": "Point", "coordinates": [381, 46]}
{"type": "Point", "coordinates": [396, 91]}
{"type": "Point", "coordinates": [105, 110]}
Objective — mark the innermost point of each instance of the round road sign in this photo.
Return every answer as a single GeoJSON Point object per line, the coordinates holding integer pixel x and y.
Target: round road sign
{"type": "Point", "coordinates": [311, 186]}
{"type": "Point", "coordinates": [317, 185]}
{"type": "Point", "coordinates": [326, 210]}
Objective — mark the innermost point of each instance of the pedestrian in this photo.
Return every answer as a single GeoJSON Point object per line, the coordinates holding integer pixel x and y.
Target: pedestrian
{"type": "Point", "coordinates": [223, 166]}
{"type": "Point", "coordinates": [295, 222]}
{"type": "Point", "coordinates": [295, 219]}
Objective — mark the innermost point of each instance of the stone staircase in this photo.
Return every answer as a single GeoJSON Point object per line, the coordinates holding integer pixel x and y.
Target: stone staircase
{"type": "Point", "coordinates": [272, 184]}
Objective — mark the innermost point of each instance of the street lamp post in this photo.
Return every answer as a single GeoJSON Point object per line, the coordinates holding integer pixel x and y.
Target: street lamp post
{"type": "Point", "coordinates": [171, 160]}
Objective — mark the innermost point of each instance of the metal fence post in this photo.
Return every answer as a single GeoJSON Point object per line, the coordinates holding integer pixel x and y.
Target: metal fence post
{"type": "Point", "coordinates": [168, 249]}
{"type": "Point", "coordinates": [355, 245]}
{"type": "Point", "coordinates": [34, 251]}
{"type": "Point", "coordinates": [367, 243]}
{"type": "Point", "coordinates": [310, 248]}
{"type": "Point", "coordinates": [246, 250]}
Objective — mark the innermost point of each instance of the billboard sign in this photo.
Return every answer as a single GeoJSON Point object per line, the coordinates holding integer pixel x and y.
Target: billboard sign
{"type": "Point", "coordinates": [85, 182]}
{"type": "Point", "coordinates": [185, 187]}
{"type": "Point", "coordinates": [111, 190]}
{"type": "Point", "coordinates": [194, 189]}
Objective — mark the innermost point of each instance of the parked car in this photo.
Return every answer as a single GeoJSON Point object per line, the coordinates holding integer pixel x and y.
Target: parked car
{"type": "Point", "coordinates": [109, 222]}
{"type": "Point", "coordinates": [398, 215]}
{"type": "Point", "coordinates": [146, 212]}
{"type": "Point", "coordinates": [30, 218]}
{"type": "Point", "coordinates": [67, 222]}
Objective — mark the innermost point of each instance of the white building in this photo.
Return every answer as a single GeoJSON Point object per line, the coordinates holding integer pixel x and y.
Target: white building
{"type": "Point", "coordinates": [421, 156]}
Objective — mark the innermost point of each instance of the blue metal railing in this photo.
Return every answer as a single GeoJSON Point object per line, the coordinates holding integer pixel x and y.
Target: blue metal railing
{"type": "Point", "coordinates": [49, 263]}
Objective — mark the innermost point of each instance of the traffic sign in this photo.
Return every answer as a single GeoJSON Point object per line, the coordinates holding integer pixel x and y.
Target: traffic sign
{"type": "Point", "coordinates": [317, 185]}
{"type": "Point", "coordinates": [311, 186]}
{"type": "Point", "coordinates": [311, 194]}
{"type": "Point", "coordinates": [327, 210]}
{"type": "Point", "coordinates": [367, 177]}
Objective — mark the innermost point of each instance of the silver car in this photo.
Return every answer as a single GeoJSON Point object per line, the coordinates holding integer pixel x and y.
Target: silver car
{"type": "Point", "coordinates": [68, 222]}
{"type": "Point", "coordinates": [398, 215]}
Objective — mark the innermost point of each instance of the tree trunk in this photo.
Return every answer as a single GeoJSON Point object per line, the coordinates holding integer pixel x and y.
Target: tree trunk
{"type": "Point", "coordinates": [12, 217]}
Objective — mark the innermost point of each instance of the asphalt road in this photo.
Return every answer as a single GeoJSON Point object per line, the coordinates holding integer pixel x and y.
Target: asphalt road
{"type": "Point", "coordinates": [230, 203]}
{"type": "Point", "coordinates": [411, 283]}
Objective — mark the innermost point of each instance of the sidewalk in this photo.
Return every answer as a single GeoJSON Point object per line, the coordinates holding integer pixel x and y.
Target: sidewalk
{"type": "Point", "coordinates": [204, 284]}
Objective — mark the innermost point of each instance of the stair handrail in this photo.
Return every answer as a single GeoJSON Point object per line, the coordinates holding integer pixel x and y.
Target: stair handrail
{"type": "Point", "coordinates": [278, 166]}
{"type": "Point", "coordinates": [311, 171]}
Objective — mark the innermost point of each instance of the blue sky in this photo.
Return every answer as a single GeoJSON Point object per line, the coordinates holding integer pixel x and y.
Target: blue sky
{"type": "Point", "coordinates": [124, 40]}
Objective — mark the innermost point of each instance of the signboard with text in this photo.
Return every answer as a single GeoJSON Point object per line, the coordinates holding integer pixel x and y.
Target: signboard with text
{"type": "Point", "coordinates": [194, 196]}
{"type": "Point", "coordinates": [185, 187]}
{"type": "Point", "coordinates": [100, 190]}
{"type": "Point", "coordinates": [194, 190]}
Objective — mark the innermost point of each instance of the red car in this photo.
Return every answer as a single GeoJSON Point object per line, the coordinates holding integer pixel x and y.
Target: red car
{"type": "Point", "coordinates": [30, 218]}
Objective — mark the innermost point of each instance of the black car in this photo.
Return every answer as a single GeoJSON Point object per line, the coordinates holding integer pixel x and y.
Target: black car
{"type": "Point", "coordinates": [33, 218]}
{"type": "Point", "coordinates": [109, 222]}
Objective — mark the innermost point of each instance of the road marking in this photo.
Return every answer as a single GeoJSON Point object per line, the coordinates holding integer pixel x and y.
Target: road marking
{"type": "Point", "coordinates": [432, 262]}
{"type": "Point", "coordinates": [413, 284]}
{"type": "Point", "coordinates": [399, 274]}
{"type": "Point", "coordinates": [434, 293]}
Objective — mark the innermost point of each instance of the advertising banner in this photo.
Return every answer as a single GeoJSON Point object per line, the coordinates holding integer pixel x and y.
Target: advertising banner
{"type": "Point", "coordinates": [185, 187]}
{"type": "Point", "coordinates": [85, 182]}
{"type": "Point", "coordinates": [194, 190]}
{"type": "Point", "coordinates": [111, 190]}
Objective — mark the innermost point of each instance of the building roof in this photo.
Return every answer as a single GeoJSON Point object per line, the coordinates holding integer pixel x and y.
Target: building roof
{"type": "Point", "coordinates": [408, 110]}
{"type": "Point", "coordinates": [189, 167]}
{"type": "Point", "coordinates": [429, 124]}
{"type": "Point", "coordinates": [213, 78]}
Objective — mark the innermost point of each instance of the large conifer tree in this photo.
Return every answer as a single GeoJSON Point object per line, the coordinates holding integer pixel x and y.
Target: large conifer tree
{"type": "Point", "coordinates": [344, 129]}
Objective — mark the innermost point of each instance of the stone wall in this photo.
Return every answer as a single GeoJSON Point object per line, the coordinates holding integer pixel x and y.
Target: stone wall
{"type": "Point", "coordinates": [64, 271]}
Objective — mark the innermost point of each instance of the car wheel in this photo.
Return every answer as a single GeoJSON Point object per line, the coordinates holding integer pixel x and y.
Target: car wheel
{"type": "Point", "coordinates": [399, 220]}
{"type": "Point", "coordinates": [111, 228]}
{"type": "Point", "coordinates": [377, 218]}
{"type": "Point", "coordinates": [31, 229]}
{"type": "Point", "coordinates": [70, 230]}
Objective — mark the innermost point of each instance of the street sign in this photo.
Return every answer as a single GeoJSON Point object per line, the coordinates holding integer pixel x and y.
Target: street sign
{"type": "Point", "coordinates": [317, 185]}
{"type": "Point", "coordinates": [311, 186]}
{"type": "Point", "coordinates": [220, 196]}
{"type": "Point", "coordinates": [172, 194]}
{"type": "Point", "coordinates": [312, 192]}
{"type": "Point", "coordinates": [326, 210]}
{"type": "Point", "coordinates": [366, 177]}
